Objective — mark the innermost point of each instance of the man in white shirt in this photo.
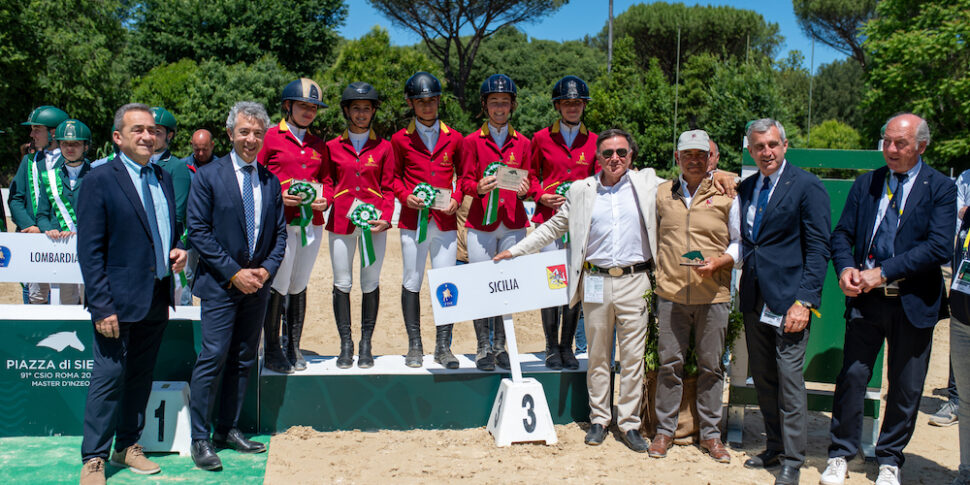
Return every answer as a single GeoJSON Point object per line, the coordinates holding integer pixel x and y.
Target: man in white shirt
{"type": "Point", "coordinates": [610, 218]}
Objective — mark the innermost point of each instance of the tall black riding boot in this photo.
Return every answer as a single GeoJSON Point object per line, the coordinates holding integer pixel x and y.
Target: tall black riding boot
{"type": "Point", "coordinates": [273, 358]}
{"type": "Point", "coordinates": [570, 319]}
{"type": "Point", "coordinates": [411, 306]}
{"type": "Point", "coordinates": [295, 316]}
{"type": "Point", "coordinates": [550, 327]}
{"type": "Point", "coordinates": [368, 319]}
{"type": "Point", "coordinates": [341, 314]}
{"type": "Point", "coordinates": [498, 343]}
{"type": "Point", "coordinates": [442, 347]}
{"type": "Point", "coordinates": [484, 359]}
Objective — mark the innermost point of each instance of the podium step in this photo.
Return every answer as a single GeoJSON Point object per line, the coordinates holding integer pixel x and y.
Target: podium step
{"type": "Point", "coordinates": [391, 395]}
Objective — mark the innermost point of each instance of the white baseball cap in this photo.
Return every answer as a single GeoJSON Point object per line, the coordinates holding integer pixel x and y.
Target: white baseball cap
{"type": "Point", "coordinates": [694, 140]}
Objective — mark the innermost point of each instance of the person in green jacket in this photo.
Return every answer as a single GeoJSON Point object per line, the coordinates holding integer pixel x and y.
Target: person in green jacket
{"type": "Point", "coordinates": [166, 126]}
{"type": "Point", "coordinates": [25, 189]}
{"type": "Point", "coordinates": [56, 213]}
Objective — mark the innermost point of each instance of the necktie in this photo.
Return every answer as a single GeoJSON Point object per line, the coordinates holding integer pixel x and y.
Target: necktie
{"type": "Point", "coordinates": [760, 210]}
{"type": "Point", "coordinates": [161, 261]}
{"type": "Point", "coordinates": [430, 139]}
{"type": "Point", "coordinates": [882, 247]}
{"type": "Point", "coordinates": [250, 207]}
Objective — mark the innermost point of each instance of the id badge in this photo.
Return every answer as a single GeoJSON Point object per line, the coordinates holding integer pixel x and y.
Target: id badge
{"type": "Point", "coordinates": [961, 280]}
{"type": "Point", "coordinates": [772, 319]}
{"type": "Point", "coordinates": [593, 289]}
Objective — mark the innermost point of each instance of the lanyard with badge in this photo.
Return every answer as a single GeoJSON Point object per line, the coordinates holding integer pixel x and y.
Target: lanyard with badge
{"type": "Point", "coordinates": [961, 280]}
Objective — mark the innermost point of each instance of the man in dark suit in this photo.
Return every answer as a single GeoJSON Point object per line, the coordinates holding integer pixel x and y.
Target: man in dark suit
{"type": "Point", "coordinates": [235, 221]}
{"type": "Point", "coordinates": [785, 227]}
{"type": "Point", "coordinates": [894, 234]}
{"type": "Point", "coordinates": [126, 248]}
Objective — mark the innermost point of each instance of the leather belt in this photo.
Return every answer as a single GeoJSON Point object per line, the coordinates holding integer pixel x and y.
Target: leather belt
{"type": "Point", "coordinates": [618, 270]}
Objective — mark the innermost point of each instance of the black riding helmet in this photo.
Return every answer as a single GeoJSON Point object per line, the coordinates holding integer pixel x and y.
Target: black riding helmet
{"type": "Point", "coordinates": [570, 87]}
{"type": "Point", "coordinates": [359, 91]}
{"type": "Point", "coordinates": [422, 85]}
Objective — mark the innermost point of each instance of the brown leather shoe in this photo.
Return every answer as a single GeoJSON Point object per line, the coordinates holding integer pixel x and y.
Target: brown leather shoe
{"type": "Point", "coordinates": [659, 445]}
{"type": "Point", "coordinates": [133, 457]}
{"type": "Point", "coordinates": [92, 473]}
{"type": "Point", "coordinates": [716, 449]}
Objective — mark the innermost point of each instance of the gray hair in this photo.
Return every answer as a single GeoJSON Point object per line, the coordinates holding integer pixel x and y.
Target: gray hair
{"type": "Point", "coordinates": [119, 122]}
{"type": "Point", "coordinates": [249, 109]}
{"type": "Point", "coordinates": [617, 132]}
{"type": "Point", "coordinates": [922, 129]}
{"type": "Point", "coordinates": [763, 125]}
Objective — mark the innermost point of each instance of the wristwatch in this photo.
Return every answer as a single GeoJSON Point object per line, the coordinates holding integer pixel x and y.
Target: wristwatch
{"type": "Point", "coordinates": [806, 304]}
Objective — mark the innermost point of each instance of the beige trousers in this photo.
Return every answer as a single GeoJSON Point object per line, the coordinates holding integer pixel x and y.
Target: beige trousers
{"type": "Point", "coordinates": [625, 310]}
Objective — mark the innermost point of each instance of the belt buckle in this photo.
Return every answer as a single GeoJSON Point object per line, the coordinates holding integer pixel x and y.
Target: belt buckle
{"type": "Point", "coordinates": [891, 289]}
{"type": "Point", "coordinates": [615, 271]}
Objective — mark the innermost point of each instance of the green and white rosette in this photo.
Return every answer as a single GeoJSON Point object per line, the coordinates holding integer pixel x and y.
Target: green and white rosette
{"type": "Point", "coordinates": [307, 194]}
{"type": "Point", "coordinates": [491, 209]}
{"type": "Point", "coordinates": [561, 190]}
{"type": "Point", "coordinates": [361, 217]}
{"type": "Point", "coordinates": [427, 194]}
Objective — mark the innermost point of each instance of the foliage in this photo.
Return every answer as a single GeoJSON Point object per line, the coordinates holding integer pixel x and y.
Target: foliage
{"type": "Point", "coordinates": [535, 65]}
{"type": "Point", "coordinates": [640, 102]}
{"type": "Point", "coordinates": [370, 59]}
{"type": "Point", "coordinates": [837, 93]}
{"type": "Point", "coordinates": [202, 94]}
{"type": "Point", "coordinates": [918, 61]}
{"type": "Point", "coordinates": [300, 33]}
{"type": "Point", "coordinates": [793, 85]}
{"type": "Point", "coordinates": [444, 25]}
{"type": "Point", "coordinates": [725, 32]}
{"type": "Point", "coordinates": [836, 135]}
{"type": "Point", "coordinates": [64, 54]}
{"type": "Point", "coordinates": [836, 23]}
{"type": "Point", "coordinates": [721, 97]}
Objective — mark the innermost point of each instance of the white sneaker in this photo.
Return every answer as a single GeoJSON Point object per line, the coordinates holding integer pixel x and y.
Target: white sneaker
{"type": "Point", "coordinates": [835, 471]}
{"type": "Point", "coordinates": [888, 475]}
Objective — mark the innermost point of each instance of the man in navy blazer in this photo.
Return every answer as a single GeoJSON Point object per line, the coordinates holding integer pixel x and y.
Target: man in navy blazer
{"type": "Point", "coordinates": [894, 234]}
{"type": "Point", "coordinates": [785, 227]}
{"type": "Point", "coordinates": [235, 220]}
{"type": "Point", "coordinates": [126, 248]}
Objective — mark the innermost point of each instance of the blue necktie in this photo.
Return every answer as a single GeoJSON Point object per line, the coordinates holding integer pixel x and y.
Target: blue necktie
{"type": "Point", "coordinates": [760, 209]}
{"type": "Point", "coordinates": [883, 243]}
{"type": "Point", "coordinates": [161, 261]}
{"type": "Point", "coordinates": [249, 206]}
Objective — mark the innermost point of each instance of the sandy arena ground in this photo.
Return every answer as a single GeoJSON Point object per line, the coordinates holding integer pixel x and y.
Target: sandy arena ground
{"type": "Point", "coordinates": [302, 455]}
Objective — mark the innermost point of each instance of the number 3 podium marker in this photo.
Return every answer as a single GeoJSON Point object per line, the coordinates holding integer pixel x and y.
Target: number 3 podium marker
{"type": "Point", "coordinates": [520, 413]}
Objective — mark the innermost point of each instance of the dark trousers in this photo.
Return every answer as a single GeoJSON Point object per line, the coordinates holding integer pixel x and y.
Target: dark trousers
{"type": "Point", "coordinates": [121, 382]}
{"type": "Point", "coordinates": [874, 319]}
{"type": "Point", "coordinates": [777, 362]}
{"type": "Point", "coordinates": [230, 336]}
{"type": "Point", "coordinates": [951, 388]}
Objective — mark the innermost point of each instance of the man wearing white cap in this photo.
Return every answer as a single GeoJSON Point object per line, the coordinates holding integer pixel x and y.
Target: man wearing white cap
{"type": "Point", "coordinates": [699, 241]}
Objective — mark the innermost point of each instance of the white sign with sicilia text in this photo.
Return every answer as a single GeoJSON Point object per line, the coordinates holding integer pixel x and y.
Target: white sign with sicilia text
{"type": "Point", "coordinates": [36, 258]}
{"type": "Point", "coordinates": [486, 289]}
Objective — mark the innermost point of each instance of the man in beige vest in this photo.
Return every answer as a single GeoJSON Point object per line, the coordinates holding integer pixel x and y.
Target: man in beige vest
{"type": "Point", "coordinates": [611, 221]}
{"type": "Point", "coordinates": [699, 241]}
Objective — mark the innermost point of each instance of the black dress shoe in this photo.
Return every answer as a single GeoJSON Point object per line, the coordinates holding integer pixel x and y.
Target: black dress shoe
{"type": "Point", "coordinates": [634, 441]}
{"type": "Point", "coordinates": [595, 435]}
{"type": "Point", "coordinates": [765, 459]}
{"type": "Point", "coordinates": [204, 455]}
{"type": "Point", "coordinates": [234, 439]}
{"type": "Point", "coordinates": [789, 475]}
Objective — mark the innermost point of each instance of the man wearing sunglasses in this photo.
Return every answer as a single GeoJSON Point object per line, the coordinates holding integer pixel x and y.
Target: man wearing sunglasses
{"type": "Point", "coordinates": [608, 266]}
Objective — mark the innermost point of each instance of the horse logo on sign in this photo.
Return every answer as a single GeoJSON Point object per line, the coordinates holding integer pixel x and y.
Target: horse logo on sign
{"type": "Point", "coordinates": [4, 256]}
{"type": "Point", "coordinates": [447, 294]}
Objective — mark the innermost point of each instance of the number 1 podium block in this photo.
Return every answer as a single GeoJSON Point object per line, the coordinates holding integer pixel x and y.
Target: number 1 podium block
{"type": "Point", "coordinates": [167, 425]}
{"type": "Point", "coordinates": [520, 414]}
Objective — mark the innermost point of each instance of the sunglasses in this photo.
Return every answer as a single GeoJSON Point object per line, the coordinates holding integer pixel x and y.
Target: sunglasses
{"type": "Point", "coordinates": [620, 152]}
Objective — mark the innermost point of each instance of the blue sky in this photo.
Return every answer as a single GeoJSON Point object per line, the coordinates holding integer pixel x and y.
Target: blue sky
{"type": "Point", "coordinates": [582, 17]}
